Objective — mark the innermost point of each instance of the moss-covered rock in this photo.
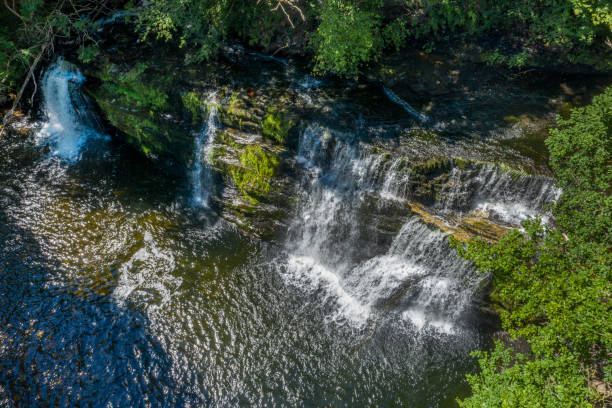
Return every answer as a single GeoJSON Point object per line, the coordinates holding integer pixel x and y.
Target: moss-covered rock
{"type": "Point", "coordinates": [276, 126]}
{"type": "Point", "coordinates": [257, 183]}
{"type": "Point", "coordinates": [253, 177]}
{"type": "Point", "coordinates": [142, 107]}
{"type": "Point", "coordinates": [239, 112]}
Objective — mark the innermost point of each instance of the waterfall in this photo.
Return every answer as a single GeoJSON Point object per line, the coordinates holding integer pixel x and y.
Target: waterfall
{"type": "Point", "coordinates": [201, 173]}
{"type": "Point", "coordinates": [486, 189]}
{"type": "Point", "coordinates": [397, 181]}
{"type": "Point", "coordinates": [330, 249]}
{"type": "Point", "coordinates": [67, 125]}
{"type": "Point", "coordinates": [511, 198]}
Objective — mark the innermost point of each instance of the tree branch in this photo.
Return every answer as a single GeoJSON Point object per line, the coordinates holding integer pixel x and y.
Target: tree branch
{"type": "Point", "coordinates": [9, 115]}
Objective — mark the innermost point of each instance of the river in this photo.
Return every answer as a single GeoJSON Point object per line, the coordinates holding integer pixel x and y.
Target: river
{"type": "Point", "coordinates": [122, 286]}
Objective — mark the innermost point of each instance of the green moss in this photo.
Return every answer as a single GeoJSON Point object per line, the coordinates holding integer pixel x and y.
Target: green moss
{"type": "Point", "coordinates": [430, 136]}
{"type": "Point", "coordinates": [511, 119]}
{"type": "Point", "coordinates": [218, 152]}
{"type": "Point", "coordinates": [377, 150]}
{"type": "Point", "coordinates": [236, 113]}
{"type": "Point", "coordinates": [134, 101]}
{"type": "Point", "coordinates": [276, 126]}
{"type": "Point", "coordinates": [431, 167]}
{"type": "Point", "coordinates": [227, 140]}
{"type": "Point", "coordinates": [137, 126]}
{"type": "Point", "coordinates": [258, 168]}
{"type": "Point", "coordinates": [460, 163]}
{"type": "Point", "coordinates": [132, 89]}
{"type": "Point", "coordinates": [234, 102]}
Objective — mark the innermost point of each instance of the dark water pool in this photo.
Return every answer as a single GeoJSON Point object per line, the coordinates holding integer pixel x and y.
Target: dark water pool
{"type": "Point", "coordinates": [115, 292]}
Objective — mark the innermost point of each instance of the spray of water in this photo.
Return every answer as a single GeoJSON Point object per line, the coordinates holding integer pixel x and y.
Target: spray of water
{"type": "Point", "coordinates": [418, 275]}
{"type": "Point", "coordinates": [201, 173]}
{"type": "Point", "coordinates": [487, 190]}
{"type": "Point", "coordinates": [67, 124]}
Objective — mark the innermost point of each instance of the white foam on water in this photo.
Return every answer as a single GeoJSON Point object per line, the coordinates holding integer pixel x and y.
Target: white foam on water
{"type": "Point", "coordinates": [421, 321]}
{"type": "Point", "coordinates": [419, 274]}
{"type": "Point", "coordinates": [146, 278]}
{"type": "Point", "coordinates": [488, 190]}
{"type": "Point", "coordinates": [311, 276]}
{"type": "Point", "coordinates": [511, 213]}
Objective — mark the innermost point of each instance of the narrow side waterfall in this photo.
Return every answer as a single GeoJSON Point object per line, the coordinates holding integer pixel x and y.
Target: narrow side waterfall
{"type": "Point", "coordinates": [201, 172]}
{"type": "Point", "coordinates": [396, 99]}
{"type": "Point", "coordinates": [67, 125]}
{"type": "Point", "coordinates": [513, 198]}
{"type": "Point", "coordinates": [332, 250]}
{"type": "Point", "coordinates": [498, 194]}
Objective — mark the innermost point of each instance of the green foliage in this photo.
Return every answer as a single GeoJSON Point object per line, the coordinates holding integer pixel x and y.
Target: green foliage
{"type": "Point", "coordinates": [133, 89]}
{"type": "Point", "coordinates": [202, 24]}
{"type": "Point", "coordinates": [524, 382]}
{"type": "Point", "coordinates": [87, 53]}
{"type": "Point", "coordinates": [553, 285]}
{"type": "Point", "coordinates": [276, 126]}
{"type": "Point", "coordinates": [30, 28]}
{"type": "Point", "coordinates": [194, 105]}
{"type": "Point", "coordinates": [346, 38]}
{"type": "Point", "coordinates": [513, 61]}
{"type": "Point", "coordinates": [345, 35]}
{"type": "Point", "coordinates": [253, 177]}
{"type": "Point", "coordinates": [14, 55]}
{"type": "Point", "coordinates": [581, 153]}
{"type": "Point", "coordinates": [576, 29]}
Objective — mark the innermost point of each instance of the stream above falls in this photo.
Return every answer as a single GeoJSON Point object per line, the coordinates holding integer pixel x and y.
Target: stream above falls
{"type": "Point", "coordinates": [187, 281]}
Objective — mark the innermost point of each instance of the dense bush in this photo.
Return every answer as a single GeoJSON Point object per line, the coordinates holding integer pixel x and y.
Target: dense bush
{"type": "Point", "coordinates": [346, 38]}
{"type": "Point", "coordinates": [343, 35]}
{"type": "Point", "coordinates": [346, 34]}
{"type": "Point", "coordinates": [553, 285]}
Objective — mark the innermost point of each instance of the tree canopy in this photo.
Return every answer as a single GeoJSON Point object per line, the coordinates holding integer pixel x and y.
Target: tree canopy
{"type": "Point", "coordinates": [344, 35]}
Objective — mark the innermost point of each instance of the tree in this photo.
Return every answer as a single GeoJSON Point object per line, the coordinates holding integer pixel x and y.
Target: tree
{"type": "Point", "coordinates": [553, 286]}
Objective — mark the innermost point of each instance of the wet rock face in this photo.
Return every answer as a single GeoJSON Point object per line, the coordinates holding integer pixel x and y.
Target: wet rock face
{"type": "Point", "coordinates": [466, 96]}
{"type": "Point", "coordinates": [160, 106]}
{"type": "Point", "coordinates": [461, 138]}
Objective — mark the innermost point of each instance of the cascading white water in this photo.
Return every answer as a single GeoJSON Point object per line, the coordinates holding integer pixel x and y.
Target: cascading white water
{"type": "Point", "coordinates": [499, 194]}
{"type": "Point", "coordinates": [418, 275]}
{"type": "Point", "coordinates": [396, 182]}
{"type": "Point", "coordinates": [201, 172]}
{"type": "Point", "coordinates": [331, 194]}
{"type": "Point", "coordinates": [514, 199]}
{"type": "Point", "coordinates": [487, 189]}
{"type": "Point", "coordinates": [67, 124]}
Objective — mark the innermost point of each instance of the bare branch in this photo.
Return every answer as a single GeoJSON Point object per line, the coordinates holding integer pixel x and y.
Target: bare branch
{"type": "Point", "coordinates": [9, 115]}
{"type": "Point", "coordinates": [280, 5]}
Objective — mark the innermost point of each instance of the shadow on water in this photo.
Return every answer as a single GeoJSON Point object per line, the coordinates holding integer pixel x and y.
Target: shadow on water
{"type": "Point", "coordinates": [60, 343]}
